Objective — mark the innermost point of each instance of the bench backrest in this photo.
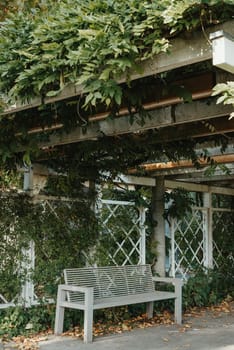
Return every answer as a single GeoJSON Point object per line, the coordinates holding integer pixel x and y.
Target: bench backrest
{"type": "Point", "coordinates": [110, 281]}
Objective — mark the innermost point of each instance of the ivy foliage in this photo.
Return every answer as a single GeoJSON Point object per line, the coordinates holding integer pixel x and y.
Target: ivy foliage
{"type": "Point", "coordinates": [111, 156]}
{"type": "Point", "coordinates": [226, 90]}
{"type": "Point", "coordinates": [179, 202]}
{"type": "Point", "coordinates": [47, 46]}
{"type": "Point", "coordinates": [60, 230]}
{"type": "Point", "coordinates": [92, 43]}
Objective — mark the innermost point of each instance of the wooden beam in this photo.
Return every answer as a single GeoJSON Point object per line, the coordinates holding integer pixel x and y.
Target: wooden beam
{"type": "Point", "coordinates": [198, 129]}
{"type": "Point", "coordinates": [136, 180]}
{"type": "Point", "coordinates": [222, 190]}
{"type": "Point", "coordinates": [158, 118]}
{"type": "Point", "coordinates": [164, 102]}
{"type": "Point", "coordinates": [206, 179]}
{"type": "Point", "coordinates": [169, 184]}
{"type": "Point", "coordinates": [219, 159]}
{"type": "Point", "coordinates": [183, 51]}
{"type": "Point", "coordinates": [198, 188]}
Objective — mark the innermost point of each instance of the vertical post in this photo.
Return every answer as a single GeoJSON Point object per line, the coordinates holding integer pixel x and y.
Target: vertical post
{"type": "Point", "coordinates": [173, 260]}
{"type": "Point", "coordinates": [159, 228]}
{"type": "Point", "coordinates": [96, 207]}
{"type": "Point", "coordinates": [88, 316]}
{"type": "Point", "coordinates": [207, 227]}
{"type": "Point", "coordinates": [178, 301]}
{"type": "Point", "coordinates": [27, 292]}
{"type": "Point", "coordinates": [150, 309]}
{"type": "Point", "coordinates": [59, 315]}
{"type": "Point", "coordinates": [142, 235]}
{"type": "Point", "coordinates": [28, 179]}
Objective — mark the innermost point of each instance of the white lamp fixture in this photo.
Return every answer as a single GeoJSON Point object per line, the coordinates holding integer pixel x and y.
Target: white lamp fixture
{"type": "Point", "coordinates": [223, 50]}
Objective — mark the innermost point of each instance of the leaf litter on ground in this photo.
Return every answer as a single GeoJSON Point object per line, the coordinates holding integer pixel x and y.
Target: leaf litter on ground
{"type": "Point", "coordinates": [109, 327]}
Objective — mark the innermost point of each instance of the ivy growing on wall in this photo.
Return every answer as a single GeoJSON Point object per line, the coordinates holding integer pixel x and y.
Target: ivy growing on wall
{"type": "Point", "coordinates": [61, 231]}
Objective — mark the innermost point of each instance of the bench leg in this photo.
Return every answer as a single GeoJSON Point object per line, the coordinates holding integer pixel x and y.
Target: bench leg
{"type": "Point", "coordinates": [178, 310]}
{"type": "Point", "coordinates": [150, 309]}
{"type": "Point", "coordinates": [88, 326]}
{"type": "Point", "coordinates": [59, 316]}
{"type": "Point", "coordinates": [178, 301]}
{"type": "Point", "coordinates": [88, 317]}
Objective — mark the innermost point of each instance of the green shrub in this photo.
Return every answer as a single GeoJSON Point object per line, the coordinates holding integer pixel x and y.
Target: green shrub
{"type": "Point", "coordinates": [207, 287]}
{"type": "Point", "coordinates": [19, 320]}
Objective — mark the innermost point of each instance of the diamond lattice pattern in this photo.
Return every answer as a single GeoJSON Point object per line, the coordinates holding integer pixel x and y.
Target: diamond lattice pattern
{"type": "Point", "coordinates": [122, 230]}
{"type": "Point", "coordinates": [189, 243]}
{"type": "Point", "coordinates": [223, 226]}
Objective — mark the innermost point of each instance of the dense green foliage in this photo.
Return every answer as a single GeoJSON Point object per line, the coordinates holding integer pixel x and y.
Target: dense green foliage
{"type": "Point", "coordinates": [61, 231]}
{"type": "Point", "coordinates": [227, 94]}
{"type": "Point", "coordinates": [26, 321]}
{"type": "Point", "coordinates": [45, 47]}
{"type": "Point", "coordinates": [93, 43]}
{"type": "Point", "coordinates": [96, 44]}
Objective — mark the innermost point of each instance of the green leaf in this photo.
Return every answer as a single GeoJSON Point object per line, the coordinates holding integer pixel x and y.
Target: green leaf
{"type": "Point", "coordinates": [105, 75]}
{"type": "Point", "coordinates": [118, 97]}
{"type": "Point", "coordinates": [53, 93]}
{"type": "Point", "coordinates": [26, 158]}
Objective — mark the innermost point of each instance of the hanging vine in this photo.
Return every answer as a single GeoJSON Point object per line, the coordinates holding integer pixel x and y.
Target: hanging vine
{"type": "Point", "coordinates": [45, 48]}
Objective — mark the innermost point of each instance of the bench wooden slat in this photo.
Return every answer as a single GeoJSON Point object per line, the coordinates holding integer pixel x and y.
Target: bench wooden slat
{"type": "Point", "coordinates": [111, 281]}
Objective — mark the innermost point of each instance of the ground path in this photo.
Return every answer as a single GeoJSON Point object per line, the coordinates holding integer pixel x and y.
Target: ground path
{"type": "Point", "coordinates": [202, 329]}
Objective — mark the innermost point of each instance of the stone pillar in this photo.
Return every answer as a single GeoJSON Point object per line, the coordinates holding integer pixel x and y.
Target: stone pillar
{"type": "Point", "coordinates": [159, 241]}
{"type": "Point", "coordinates": [28, 263]}
{"type": "Point", "coordinates": [35, 178]}
{"type": "Point", "coordinates": [208, 231]}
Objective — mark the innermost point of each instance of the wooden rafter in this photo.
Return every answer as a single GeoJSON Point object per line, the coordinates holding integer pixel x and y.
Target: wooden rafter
{"type": "Point", "coordinates": [197, 129]}
{"type": "Point", "coordinates": [219, 159]}
{"type": "Point", "coordinates": [172, 115]}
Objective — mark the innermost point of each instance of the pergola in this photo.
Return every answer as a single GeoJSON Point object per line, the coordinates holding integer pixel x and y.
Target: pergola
{"type": "Point", "coordinates": [173, 120]}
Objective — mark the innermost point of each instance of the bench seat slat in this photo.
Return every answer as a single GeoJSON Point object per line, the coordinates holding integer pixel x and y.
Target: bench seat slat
{"type": "Point", "coordinates": [133, 299]}
{"type": "Point", "coordinates": [119, 301]}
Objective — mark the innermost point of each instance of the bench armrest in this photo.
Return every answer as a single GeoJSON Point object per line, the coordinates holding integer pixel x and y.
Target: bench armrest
{"type": "Point", "coordinates": [64, 289]}
{"type": "Point", "coordinates": [72, 288]}
{"type": "Point", "coordinates": [177, 282]}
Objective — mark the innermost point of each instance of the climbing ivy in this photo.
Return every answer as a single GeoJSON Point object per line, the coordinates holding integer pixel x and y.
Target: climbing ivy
{"type": "Point", "coordinates": [226, 90]}
{"type": "Point", "coordinates": [93, 43]}
{"type": "Point", "coordinates": [46, 47]}
{"type": "Point", "coordinates": [60, 230]}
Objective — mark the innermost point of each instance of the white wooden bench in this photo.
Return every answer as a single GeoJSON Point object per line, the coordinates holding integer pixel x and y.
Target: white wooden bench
{"type": "Point", "coordinates": [92, 288]}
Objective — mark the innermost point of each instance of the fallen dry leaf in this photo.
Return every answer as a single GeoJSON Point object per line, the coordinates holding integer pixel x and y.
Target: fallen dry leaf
{"type": "Point", "coordinates": [140, 321]}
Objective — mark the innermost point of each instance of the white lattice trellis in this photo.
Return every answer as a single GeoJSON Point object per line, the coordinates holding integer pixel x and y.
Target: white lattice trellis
{"type": "Point", "coordinates": [191, 240]}
{"type": "Point", "coordinates": [225, 216]}
{"type": "Point", "coordinates": [188, 243]}
{"type": "Point", "coordinates": [8, 240]}
{"type": "Point", "coordinates": [123, 226]}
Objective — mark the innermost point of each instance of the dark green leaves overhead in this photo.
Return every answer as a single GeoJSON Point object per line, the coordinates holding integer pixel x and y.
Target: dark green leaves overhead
{"type": "Point", "coordinates": [89, 41]}
{"type": "Point", "coordinates": [93, 43]}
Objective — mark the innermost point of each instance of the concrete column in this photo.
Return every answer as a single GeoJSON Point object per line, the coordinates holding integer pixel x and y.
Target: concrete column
{"type": "Point", "coordinates": [159, 241]}
{"type": "Point", "coordinates": [35, 178]}
{"type": "Point", "coordinates": [28, 264]}
{"type": "Point", "coordinates": [208, 231]}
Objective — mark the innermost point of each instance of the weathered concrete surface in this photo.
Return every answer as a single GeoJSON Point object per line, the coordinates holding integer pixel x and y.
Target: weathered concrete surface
{"type": "Point", "coordinates": [209, 331]}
